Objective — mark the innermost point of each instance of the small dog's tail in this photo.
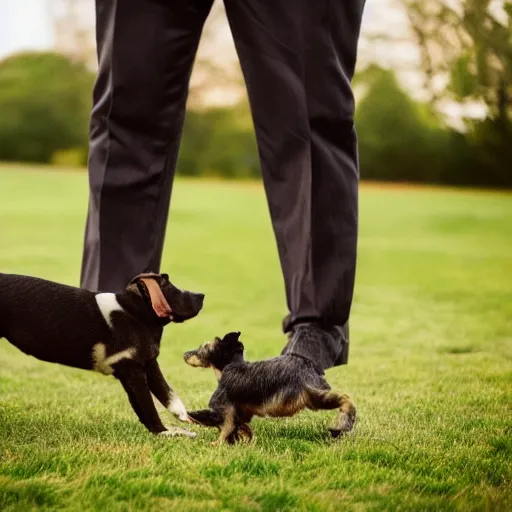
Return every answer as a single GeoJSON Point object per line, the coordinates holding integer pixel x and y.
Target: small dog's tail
{"type": "Point", "coordinates": [206, 417]}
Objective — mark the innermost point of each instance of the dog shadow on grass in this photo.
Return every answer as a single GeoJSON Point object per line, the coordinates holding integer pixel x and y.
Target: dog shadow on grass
{"type": "Point", "coordinates": [291, 434]}
{"type": "Point", "coordinates": [33, 426]}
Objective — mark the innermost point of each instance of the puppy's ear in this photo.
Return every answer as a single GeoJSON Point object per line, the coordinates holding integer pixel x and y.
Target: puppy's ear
{"type": "Point", "coordinates": [145, 274]}
{"type": "Point", "coordinates": [160, 305]}
{"type": "Point", "coordinates": [158, 301]}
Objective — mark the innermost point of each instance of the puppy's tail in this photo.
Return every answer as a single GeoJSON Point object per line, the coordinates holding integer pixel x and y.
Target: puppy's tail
{"type": "Point", "coordinates": [206, 417]}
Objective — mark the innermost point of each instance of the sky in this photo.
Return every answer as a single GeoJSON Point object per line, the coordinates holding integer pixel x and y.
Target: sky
{"type": "Point", "coordinates": [26, 24]}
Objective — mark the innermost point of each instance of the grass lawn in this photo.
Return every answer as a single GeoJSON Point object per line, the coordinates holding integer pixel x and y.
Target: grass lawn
{"type": "Point", "coordinates": [430, 367]}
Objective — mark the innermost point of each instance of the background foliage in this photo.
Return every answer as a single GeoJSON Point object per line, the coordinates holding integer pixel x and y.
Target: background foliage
{"type": "Point", "coordinates": [465, 60]}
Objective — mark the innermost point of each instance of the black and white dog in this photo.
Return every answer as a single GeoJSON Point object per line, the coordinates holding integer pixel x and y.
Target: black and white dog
{"type": "Point", "coordinates": [114, 334]}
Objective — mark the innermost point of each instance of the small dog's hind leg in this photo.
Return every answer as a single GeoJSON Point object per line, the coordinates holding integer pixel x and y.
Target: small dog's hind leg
{"type": "Point", "coordinates": [163, 392]}
{"type": "Point", "coordinates": [327, 400]}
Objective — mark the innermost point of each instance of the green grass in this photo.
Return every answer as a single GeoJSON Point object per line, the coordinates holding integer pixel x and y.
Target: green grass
{"type": "Point", "coordinates": [430, 367]}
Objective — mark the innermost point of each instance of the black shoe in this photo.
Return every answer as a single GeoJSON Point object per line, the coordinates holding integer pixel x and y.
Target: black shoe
{"type": "Point", "coordinates": [325, 347]}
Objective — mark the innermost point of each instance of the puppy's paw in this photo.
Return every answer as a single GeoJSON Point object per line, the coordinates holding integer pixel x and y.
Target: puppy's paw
{"type": "Point", "coordinates": [184, 418]}
{"type": "Point", "coordinates": [177, 409]}
{"type": "Point", "coordinates": [176, 431]}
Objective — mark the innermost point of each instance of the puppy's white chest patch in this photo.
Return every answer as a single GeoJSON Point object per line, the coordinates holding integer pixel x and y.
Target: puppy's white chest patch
{"type": "Point", "coordinates": [103, 364]}
{"type": "Point", "coordinates": [107, 303]}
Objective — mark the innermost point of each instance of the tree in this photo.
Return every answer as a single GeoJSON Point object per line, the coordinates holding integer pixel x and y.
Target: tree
{"type": "Point", "coordinates": [466, 51]}
{"type": "Point", "coordinates": [45, 102]}
{"type": "Point", "coordinates": [399, 139]}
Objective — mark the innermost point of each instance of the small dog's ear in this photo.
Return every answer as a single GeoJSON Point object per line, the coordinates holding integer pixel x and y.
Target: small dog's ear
{"type": "Point", "coordinates": [233, 339]}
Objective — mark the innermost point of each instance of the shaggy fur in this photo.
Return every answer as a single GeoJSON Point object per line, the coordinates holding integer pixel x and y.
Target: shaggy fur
{"type": "Point", "coordinates": [276, 387]}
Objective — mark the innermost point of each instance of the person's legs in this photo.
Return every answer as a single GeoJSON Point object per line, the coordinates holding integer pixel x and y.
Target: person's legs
{"type": "Point", "coordinates": [146, 49]}
{"type": "Point", "coordinates": [298, 62]}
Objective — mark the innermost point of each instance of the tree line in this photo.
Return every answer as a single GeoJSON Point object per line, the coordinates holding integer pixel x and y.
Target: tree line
{"type": "Point", "coordinates": [466, 59]}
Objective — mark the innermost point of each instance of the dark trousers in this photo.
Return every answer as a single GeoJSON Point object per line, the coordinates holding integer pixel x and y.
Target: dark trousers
{"type": "Point", "coordinates": [298, 59]}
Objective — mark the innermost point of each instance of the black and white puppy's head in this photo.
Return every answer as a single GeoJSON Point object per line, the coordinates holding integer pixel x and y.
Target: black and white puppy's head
{"type": "Point", "coordinates": [217, 354]}
{"type": "Point", "coordinates": [168, 301]}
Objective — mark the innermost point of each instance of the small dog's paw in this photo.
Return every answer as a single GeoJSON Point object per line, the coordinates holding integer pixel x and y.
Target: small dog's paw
{"type": "Point", "coordinates": [335, 432]}
{"type": "Point", "coordinates": [176, 431]}
{"type": "Point", "coordinates": [242, 434]}
{"type": "Point", "coordinates": [246, 433]}
{"type": "Point", "coordinates": [344, 425]}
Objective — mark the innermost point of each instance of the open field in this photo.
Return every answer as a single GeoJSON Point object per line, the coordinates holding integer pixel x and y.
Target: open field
{"type": "Point", "coordinates": [430, 367]}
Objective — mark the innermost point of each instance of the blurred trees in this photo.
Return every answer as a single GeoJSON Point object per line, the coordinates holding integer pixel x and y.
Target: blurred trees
{"type": "Point", "coordinates": [399, 139]}
{"type": "Point", "coordinates": [219, 141]}
{"type": "Point", "coordinates": [465, 50]}
{"type": "Point", "coordinates": [466, 58]}
{"type": "Point", "coordinates": [44, 106]}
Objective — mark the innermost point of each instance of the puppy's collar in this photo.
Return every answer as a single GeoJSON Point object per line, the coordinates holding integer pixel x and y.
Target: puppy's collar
{"type": "Point", "coordinates": [146, 297]}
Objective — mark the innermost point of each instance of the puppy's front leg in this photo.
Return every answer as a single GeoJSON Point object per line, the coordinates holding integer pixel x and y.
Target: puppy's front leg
{"type": "Point", "coordinates": [228, 425]}
{"type": "Point", "coordinates": [163, 392]}
{"type": "Point", "coordinates": [134, 381]}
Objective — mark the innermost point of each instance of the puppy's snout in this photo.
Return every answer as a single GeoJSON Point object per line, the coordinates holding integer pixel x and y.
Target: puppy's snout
{"type": "Point", "coordinates": [197, 301]}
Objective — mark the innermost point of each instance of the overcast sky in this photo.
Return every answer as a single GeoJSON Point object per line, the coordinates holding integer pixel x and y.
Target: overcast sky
{"type": "Point", "coordinates": [26, 24]}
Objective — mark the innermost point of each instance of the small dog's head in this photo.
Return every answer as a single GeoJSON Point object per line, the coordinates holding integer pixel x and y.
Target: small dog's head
{"type": "Point", "coordinates": [168, 301]}
{"type": "Point", "coordinates": [217, 354]}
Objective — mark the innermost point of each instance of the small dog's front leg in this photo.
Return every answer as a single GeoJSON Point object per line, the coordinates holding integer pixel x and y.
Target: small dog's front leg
{"type": "Point", "coordinates": [228, 425]}
{"type": "Point", "coordinates": [163, 392]}
{"type": "Point", "coordinates": [134, 381]}
{"type": "Point", "coordinates": [212, 418]}
{"type": "Point", "coordinates": [243, 432]}
{"type": "Point", "coordinates": [206, 417]}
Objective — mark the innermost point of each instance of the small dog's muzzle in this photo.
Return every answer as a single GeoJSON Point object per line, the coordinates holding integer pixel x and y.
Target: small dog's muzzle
{"type": "Point", "coordinates": [191, 358]}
